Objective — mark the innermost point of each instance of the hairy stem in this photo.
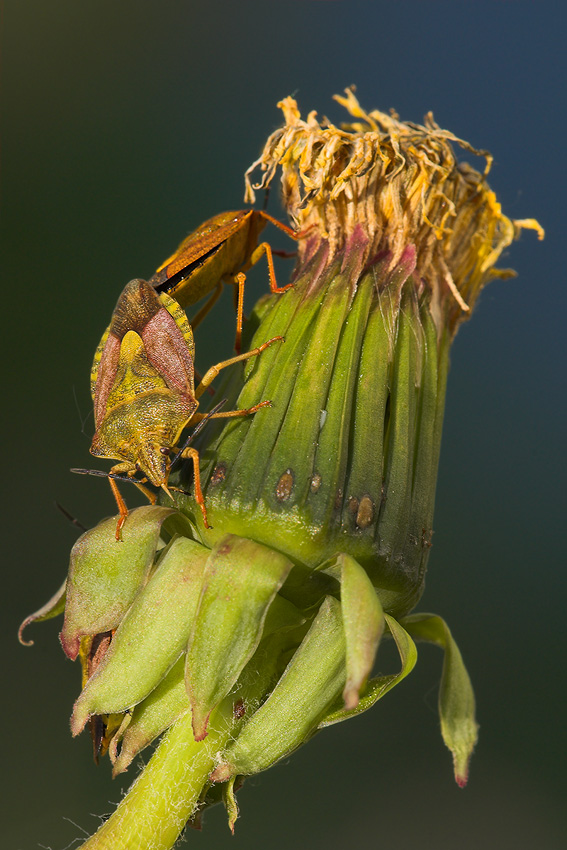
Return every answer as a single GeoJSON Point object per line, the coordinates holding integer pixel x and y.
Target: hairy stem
{"type": "Point", "coordinates": [166, 794]}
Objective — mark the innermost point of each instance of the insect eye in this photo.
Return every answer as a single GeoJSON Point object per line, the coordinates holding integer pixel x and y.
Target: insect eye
{"type": "Point", "coordinates": [164, 450]}
{"type": "Point", "coordinates": [138, 467]}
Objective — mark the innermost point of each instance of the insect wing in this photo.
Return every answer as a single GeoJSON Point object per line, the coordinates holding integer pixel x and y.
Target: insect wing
{"type": "Point", "coordinates": [198, 247]}
{"type": "Point", "coordinates": [168, 340]}
{"type": "Point", "coordinates": [103, 372]}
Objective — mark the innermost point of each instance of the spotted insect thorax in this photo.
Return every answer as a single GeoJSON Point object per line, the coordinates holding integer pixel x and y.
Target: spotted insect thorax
{"type": "Point", "coordinates": [142, 381]}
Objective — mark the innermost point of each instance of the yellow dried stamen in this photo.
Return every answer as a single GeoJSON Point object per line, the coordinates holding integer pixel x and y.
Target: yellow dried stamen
{"type": "Point", "coordinates": [403, 184]}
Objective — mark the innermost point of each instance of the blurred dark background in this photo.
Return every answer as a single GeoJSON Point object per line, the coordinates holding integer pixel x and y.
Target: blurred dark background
{"type": "Point", "coordinates": [124, 125]}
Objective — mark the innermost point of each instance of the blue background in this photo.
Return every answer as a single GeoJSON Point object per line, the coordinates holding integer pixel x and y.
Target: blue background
{"type": "Point", "coordinates": [125, 124]}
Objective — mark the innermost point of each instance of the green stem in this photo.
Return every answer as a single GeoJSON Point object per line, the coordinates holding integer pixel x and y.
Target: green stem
{"type": "Point", "coordinates": [165, 795]}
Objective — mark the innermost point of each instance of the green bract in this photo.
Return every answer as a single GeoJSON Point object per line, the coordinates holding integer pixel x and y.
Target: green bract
{"type": "Point", "coordinates": [346, 461]}
{"type": "Point", "coordinates": [103, 581]}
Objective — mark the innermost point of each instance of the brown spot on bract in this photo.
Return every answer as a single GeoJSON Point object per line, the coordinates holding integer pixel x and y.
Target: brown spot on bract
{"type": "Point", "coordinates": [365, 514]}
{"type": "Point", "coordinates": [338, 499]}
{"type": "Point", "coordinates": [426, 538]}
{"type": "Point", "coordinates": [316, 482]}
{"type": "Point", "coordinates": [284, 486]}
{"type": "Point", "coordinates": [219, 474]}
{"type": "Point", "coordinates": [353, 505]}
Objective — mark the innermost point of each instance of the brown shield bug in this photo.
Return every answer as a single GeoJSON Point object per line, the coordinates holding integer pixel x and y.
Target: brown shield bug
{"type": "Point", "coordinates": [142, 384]}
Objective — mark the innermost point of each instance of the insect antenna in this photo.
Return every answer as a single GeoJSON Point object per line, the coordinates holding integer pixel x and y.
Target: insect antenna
{"type": "Point", "coordinates": [101, 474]}
{"type": "Point", "coordinates": [73, 520]}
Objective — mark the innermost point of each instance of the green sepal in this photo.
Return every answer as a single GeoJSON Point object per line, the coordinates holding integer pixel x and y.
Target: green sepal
{"type": "Point", "coordinates": [311, 682]}
{"type": "Point", "coordinates": [363, 622]}
{"type": "Point", "coordinates": [150, 638]}
{"type": "Point", "coordinates": [179, 524]}
{"type": "Point", "coordinates": [105, 574]}
{"type": "Point", "coordinates": [379, 686]}
{"type": "Point", "coordinates": [52, 608]}
{"type": "Point", "coordinates": [163, 706]}
{"type": "Point", "coordinates": [230, 804]}
{"type": "Point", "coordinates": [256, 680]}
{"type": "Point", "coordinates": [212, 795]}
{"type": "Point", "coordinates": [240, 582]}
{"type": "Point", "coordinates": [456, 696]}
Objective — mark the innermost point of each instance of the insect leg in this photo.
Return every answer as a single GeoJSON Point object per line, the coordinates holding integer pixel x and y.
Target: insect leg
{"type": "Point", "coordinates": [264, 248]}
{"type": "Point", "coordinates": [151, 497]}
{"type": "Point", "coordinates": [124, 467]}
{"type": "Point", "coordinates": [293, 234]}
{"type": "Point", "coordinates": [198, 417]}
{"type": "Point", "coordinates": [211, 374]}
{"type": "Point", "coordinates": [121, 507]}
{"type": "Point", "coordinates": [239, 280]}
{"type": "Point", "coordinates": [286, 255]}
{"type": "Point", "coordinates": [199, 498]}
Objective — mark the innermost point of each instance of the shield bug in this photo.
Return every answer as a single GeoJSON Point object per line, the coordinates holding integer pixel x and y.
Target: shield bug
{"type": "Point", "coordinates": [142, 384]}
{"type": "Point", "coordinates": [221, 249]}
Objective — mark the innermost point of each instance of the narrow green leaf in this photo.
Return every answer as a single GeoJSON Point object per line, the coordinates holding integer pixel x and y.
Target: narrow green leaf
{"type": "Point", "coordinates": [366, 457]}
{"type": "Point", "coordinates": [379, 686]}
{"type": "Point", "coordinates": [249, 443]}
{"type": "Point", "coordinates": [335, 426]}
{"type": "Point", "coordinates": [151, 636]}
{"type": "Point", "coordinates": [456, 697]}
{"type": "Point", "coordinates": [305, 398]}
{"type": "Point", "coordinates": [240, 582]}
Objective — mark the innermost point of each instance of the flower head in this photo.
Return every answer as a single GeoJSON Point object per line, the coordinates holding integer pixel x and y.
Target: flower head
{"type": "Point", "coordinates": [243, 639]}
